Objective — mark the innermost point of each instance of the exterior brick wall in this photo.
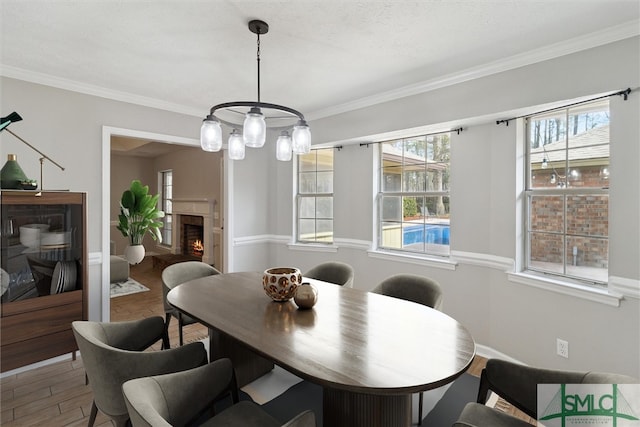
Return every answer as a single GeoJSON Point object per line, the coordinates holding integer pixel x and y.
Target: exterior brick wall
{"type": "Point", "coordinates": [587, 222]}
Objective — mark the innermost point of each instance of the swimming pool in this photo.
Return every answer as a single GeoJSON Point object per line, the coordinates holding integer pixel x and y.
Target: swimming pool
{"type": "Point", "coordinates": [429, 233]}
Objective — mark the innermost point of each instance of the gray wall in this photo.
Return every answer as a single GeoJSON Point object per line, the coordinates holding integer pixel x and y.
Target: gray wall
{"type": "Point", "coordinates": [197, 175]}
{"type": "Point", "coordinates": [505, 317]}
{"type": "Point", "coordinates": [124, 170]}
{"type": "Point", "coordinates": [520, 321]}
{"type": "Point", "coordinates": [68, 127]}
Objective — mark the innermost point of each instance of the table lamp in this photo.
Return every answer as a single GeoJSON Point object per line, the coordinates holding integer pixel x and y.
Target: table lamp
{"type": "Point", "coordinates": [15, 117]}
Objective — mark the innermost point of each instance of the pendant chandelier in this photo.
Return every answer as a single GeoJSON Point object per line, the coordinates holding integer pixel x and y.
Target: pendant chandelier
{"type": "Point", "coordinates": [295, 136]}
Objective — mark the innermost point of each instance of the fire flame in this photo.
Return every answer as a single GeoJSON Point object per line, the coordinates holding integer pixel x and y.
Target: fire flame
{"type": "Point", "coordinates": [197, 247]}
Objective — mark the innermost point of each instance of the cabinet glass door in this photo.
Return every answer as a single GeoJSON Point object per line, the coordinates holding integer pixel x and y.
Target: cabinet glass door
{"type": "Point", "coordinates": [41, 250]}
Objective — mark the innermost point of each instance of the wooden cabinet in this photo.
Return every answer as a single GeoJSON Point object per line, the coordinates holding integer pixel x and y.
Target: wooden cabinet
{"type": "Point", "coordinates": [44, 274]}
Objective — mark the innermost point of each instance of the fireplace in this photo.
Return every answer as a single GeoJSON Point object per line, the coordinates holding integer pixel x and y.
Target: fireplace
{"type": "Point", "coordinates": [192, 235]}
{"type": "Point", "coordinates": [193, 220]}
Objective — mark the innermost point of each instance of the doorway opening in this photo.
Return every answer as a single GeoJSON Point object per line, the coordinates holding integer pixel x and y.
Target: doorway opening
{"type": "Point", "coordinates": [130, 154]}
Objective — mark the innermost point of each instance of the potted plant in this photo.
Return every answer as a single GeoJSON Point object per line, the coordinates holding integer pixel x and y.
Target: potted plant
{"type": "Point", "coordinates": [139, 214]}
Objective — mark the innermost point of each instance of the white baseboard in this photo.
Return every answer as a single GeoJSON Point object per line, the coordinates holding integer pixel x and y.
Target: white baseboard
{"type": "Point", "coordinates": [40, 364]}
{"type": "Point", "coordinates": [491, 353]}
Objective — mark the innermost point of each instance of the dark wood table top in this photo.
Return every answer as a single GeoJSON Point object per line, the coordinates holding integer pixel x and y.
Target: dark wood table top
{"type": "Point", "coordinates": [351, 339]}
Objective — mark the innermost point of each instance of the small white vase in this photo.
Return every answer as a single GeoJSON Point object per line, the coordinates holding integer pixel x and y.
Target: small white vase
{"type": "Point", "coordinates": [134, 254]}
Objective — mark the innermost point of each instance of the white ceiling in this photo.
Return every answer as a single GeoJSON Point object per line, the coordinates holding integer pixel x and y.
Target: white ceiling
{"type": "Point", "coordinates": [320, 56]}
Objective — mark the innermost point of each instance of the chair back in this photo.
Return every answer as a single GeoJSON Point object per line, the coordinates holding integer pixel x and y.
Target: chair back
{"type": "Point", "coordinates": [108, 367]}
{"type": "Point", "coordinates": [179, 398]}
{"type": "Point", "coordinates": [146, 403]}
{"type": "Point", "coordinates": [186, 398]}
{"type": "Point", "coordinates": [517, 383]}
{"type": "Point", "coordinates": [336, 272]}
{"type": "Point", "coordinates": [411, 287]}
{"type": "Point", "coordinates": [181, 272]}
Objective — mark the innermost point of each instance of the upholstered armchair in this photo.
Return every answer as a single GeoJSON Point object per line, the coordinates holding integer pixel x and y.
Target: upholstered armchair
{"type": "Point", "coordinates": [188, 397]}
{"type": "Point", "coordinates": [176, 274]}
{"type": "Point", "coordinates": [518, 385]}
{"type": "Point", "coordinates": [336, 272]}
{"type": "Point", "coordinates": [111, 355]}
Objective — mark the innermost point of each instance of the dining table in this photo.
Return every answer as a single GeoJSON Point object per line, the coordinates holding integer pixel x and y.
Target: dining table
{"type": "Point", "coordinates": [369, 352]}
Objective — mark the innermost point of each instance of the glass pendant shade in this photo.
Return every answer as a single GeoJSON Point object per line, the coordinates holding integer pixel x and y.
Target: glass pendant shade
{"type": "Point", "coordinates": [211, 134]}
{"type": "Point", "coordinates": [283, 147]}
{"type": "Point", "coordinates": [236, 146]}
{"type": "Point", "coordinates": [301, 143]}
{"type": "Point", "coordinates": [254, 130]}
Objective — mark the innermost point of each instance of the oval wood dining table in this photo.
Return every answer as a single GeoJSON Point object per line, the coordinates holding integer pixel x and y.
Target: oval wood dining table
{"type": "Point", "coordinates": [369, 352]}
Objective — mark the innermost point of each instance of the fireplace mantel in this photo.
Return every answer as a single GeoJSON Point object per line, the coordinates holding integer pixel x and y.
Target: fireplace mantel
{"type": "Point", "coordinates": [194, 207]}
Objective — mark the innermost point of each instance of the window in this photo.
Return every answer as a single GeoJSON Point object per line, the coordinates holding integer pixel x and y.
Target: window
{"type": "Point", "coordinates": [315, 197]}
{"type": "Point", "coordinates": [413, 199]}
{"type": "Point", "coordinates": [165, 200]}
{"type": "Point", "coordinates": [567, 193]}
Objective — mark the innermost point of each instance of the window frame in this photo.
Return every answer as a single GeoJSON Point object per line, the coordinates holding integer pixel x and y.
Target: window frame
{"type": "Point", "coordinates": [299, 196]}
{"type": "Point", "coordinates": [565, 192]}
{"type": "Point", "coordinates": [164, 202]}
{"type": "Point", "coordinates": [428, 250]}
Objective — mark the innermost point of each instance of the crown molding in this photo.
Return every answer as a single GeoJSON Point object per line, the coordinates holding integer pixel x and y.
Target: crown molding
{"type": "Point", "coordinates": [577, 44]}
{"type": "Point", "coordinates": [87, 89]}
{"type": "Point", "coordinates": [566, 47]}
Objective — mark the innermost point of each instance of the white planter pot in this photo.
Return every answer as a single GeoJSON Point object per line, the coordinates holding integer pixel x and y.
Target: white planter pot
{"type": "Point", "coordinates": [134, 254]}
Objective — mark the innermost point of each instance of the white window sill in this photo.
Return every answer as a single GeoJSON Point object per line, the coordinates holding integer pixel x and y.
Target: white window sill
{"type": "Point", "coordinates": [313, 247]}
{"type": "Point", "coordinates": [602, 296]}
{"type": "Point", "coordinates": [444, 263]}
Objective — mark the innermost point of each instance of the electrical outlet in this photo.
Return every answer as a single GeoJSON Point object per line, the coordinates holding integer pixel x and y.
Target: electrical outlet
{"type": "Point", "coordinates": [562, 348]}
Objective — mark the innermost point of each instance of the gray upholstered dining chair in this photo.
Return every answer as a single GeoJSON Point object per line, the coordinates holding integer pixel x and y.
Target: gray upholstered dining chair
{"type": "Point", "coordinates": [412, 287]}
{"type": "Point", "coordinates": [183, 398]}
{"type": "Point", "coordinates": [336, 272]}
{"type": "Point", "coordinates": [517, 384]}
{"type": "Point", "coordinates": [418, 289]}
{"type": "Point", "coordinates": [174, 275]}
{"type": "Point", "coordinates": [111, 354]}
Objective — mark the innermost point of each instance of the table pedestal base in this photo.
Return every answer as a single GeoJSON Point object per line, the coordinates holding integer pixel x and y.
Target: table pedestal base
{"type": "Point", "coordinates": [343, 408]}
{"type": "Point", "coordinates": [247, 364]}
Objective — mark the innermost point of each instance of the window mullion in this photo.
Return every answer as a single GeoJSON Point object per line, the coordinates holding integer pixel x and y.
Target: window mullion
{"type": "Point", "coordinates": [564, 235]}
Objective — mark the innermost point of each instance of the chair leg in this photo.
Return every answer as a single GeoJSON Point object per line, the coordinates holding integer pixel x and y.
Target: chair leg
{"type": "Point", "coordinates": [233, 385]}
{"type": "Point", "coordinates": [420, 409]}
{"type": "Point", "coordinates": [180, 328]}
{"type": "Point", "coordinates": [165, 336]}
{"type": "Point", "coordinates": [483, 389]}
{"type": "Point", "coordinates": [122, 423]}
{"type": "Point", "coordinates": [94, 413]}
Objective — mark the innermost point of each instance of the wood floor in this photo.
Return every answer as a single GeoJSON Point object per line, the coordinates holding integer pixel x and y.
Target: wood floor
{"type": "Point", "coordinates": [56, 395]}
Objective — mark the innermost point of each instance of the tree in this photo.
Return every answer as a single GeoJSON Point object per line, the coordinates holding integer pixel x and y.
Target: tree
{"type": "Point", "coordinates": [409, 207]}
{"type": "Point", "coordinates": [441, 153]}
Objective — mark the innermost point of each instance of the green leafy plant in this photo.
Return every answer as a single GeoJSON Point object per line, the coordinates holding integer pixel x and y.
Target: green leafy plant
{"type": "Point", "coordinates": [139, 214]}
{"type": "Point", "coordinates": [410, 207]}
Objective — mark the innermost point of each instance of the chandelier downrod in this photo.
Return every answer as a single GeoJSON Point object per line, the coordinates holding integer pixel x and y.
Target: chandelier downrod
{"type": "Point", "coordinates": [258, 27]}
